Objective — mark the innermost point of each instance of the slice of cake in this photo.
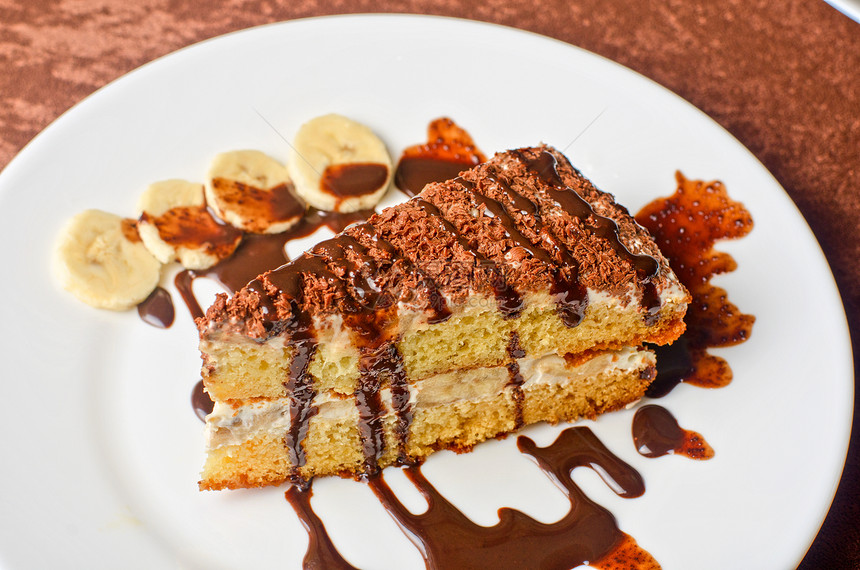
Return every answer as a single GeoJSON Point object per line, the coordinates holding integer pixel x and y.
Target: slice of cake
{"type": "Point", "coordinates": [513, 294]}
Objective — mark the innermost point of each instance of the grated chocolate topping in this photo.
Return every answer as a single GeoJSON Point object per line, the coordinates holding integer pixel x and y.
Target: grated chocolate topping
{"type": "Point", "coordinates": [524, 221]}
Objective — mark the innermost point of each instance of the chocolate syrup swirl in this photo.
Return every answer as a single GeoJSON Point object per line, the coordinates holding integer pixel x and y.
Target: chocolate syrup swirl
{"type": "Point", "coordinates": [157, 309]}
{"type": "Point", "coordinates": [656, 433]}
{"type": "Point", "coordinates": [686, 226]}
{"type": "Point", "coordinates": [588, 533]}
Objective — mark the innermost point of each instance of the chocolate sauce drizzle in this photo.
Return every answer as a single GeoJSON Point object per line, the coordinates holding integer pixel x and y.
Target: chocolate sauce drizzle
{"type": "Point", "coordinates": [588, 533]}
{"type": "Point", "coordinates": [368, 317]}
{"type": "Point", "coordinates": [449, 150]}
{"type": "Point", "coordinates": [321, 553]}
{"type": "Point", "coordinates": [656, 433]}
{"type": "Point", "coordinates": [546, 167]}
{"type": "Point", "coordinates": [278, 204]}
{"type": "Point", "coordinates": [258, 253]}
{"type": "Point", "coordinates": [374, 363]}
{"type": "Point", "coordinates": [368, 311]}
{"type": "Point", "coordinates": [570, 295]}
{"type": "Point", "coordinates": [647, 268]}
{"type": "Point", "coordinates": [515, 379]}
{"type": "Point", "coordinates": [509, 302]}
{"type": "Point", "coordinates": [353, 179]}
{"type": "Point", "coordinates": [157, 309]}
{"type": "Point", "coordinates": [300, 387]}
{"type": "Point", "coordinates": [301, 337]}
{"type": "Point", "coordinates": [686, 226]}
{"type": "Point", "coordinates": [437, 306]}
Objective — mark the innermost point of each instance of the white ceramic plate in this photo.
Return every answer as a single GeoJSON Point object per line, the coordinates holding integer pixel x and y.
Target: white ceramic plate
{"type": "Point", "coordinates": [101, 449]}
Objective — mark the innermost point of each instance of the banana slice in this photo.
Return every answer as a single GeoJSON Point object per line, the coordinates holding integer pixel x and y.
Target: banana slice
{"type": "Point", "coordinates": [339, 165]}
{"type": "Point", "coordinates": [175, 224]}
{"type": "Point", "coordinates": [101, 260]}
{"type": "Point", "coordinates": [252, 191]}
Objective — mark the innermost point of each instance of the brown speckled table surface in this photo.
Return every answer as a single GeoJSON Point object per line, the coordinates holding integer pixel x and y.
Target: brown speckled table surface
{"type": "Point", "coordinates": [782, 77]}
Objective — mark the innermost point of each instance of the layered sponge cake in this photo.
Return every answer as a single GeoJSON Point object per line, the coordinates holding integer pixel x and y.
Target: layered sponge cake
{"type": "Point", "coordinates": [515, 293]}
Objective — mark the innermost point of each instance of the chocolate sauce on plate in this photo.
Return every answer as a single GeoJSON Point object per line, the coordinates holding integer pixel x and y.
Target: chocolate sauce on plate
{"type": "Point", "coordinates": [157, 309]}
{"type": "Point", "coordinates": [686, 226]}
{"type": "Point", "coordinates": [321, 553]}
{"type": "Point", "coordinates": [201, 403]}
{"type": "Point", "coordinates": [656, 432]}
{"type": "Point", "coordinates": [449, 150]}
{"type": "Point", "coordinates": [446, 538]}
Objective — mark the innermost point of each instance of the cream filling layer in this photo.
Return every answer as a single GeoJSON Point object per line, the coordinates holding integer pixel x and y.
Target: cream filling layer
{"type": "Point", "coordinates": [234, 425]}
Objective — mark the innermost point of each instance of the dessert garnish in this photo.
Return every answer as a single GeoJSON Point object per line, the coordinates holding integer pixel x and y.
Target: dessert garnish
{"type": "Point", "coordinates": [230, 229]}
{"type": "Point", "coordinates": [175, 224]}
{"type": "Point", "coordinates": [252, 191]}
{"type": "Point", "coordinates": [449, 150]}
{"type": "Point", "coordinates": [101, 261]}
{"type": "Point", "coordinates": [339, 165]}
